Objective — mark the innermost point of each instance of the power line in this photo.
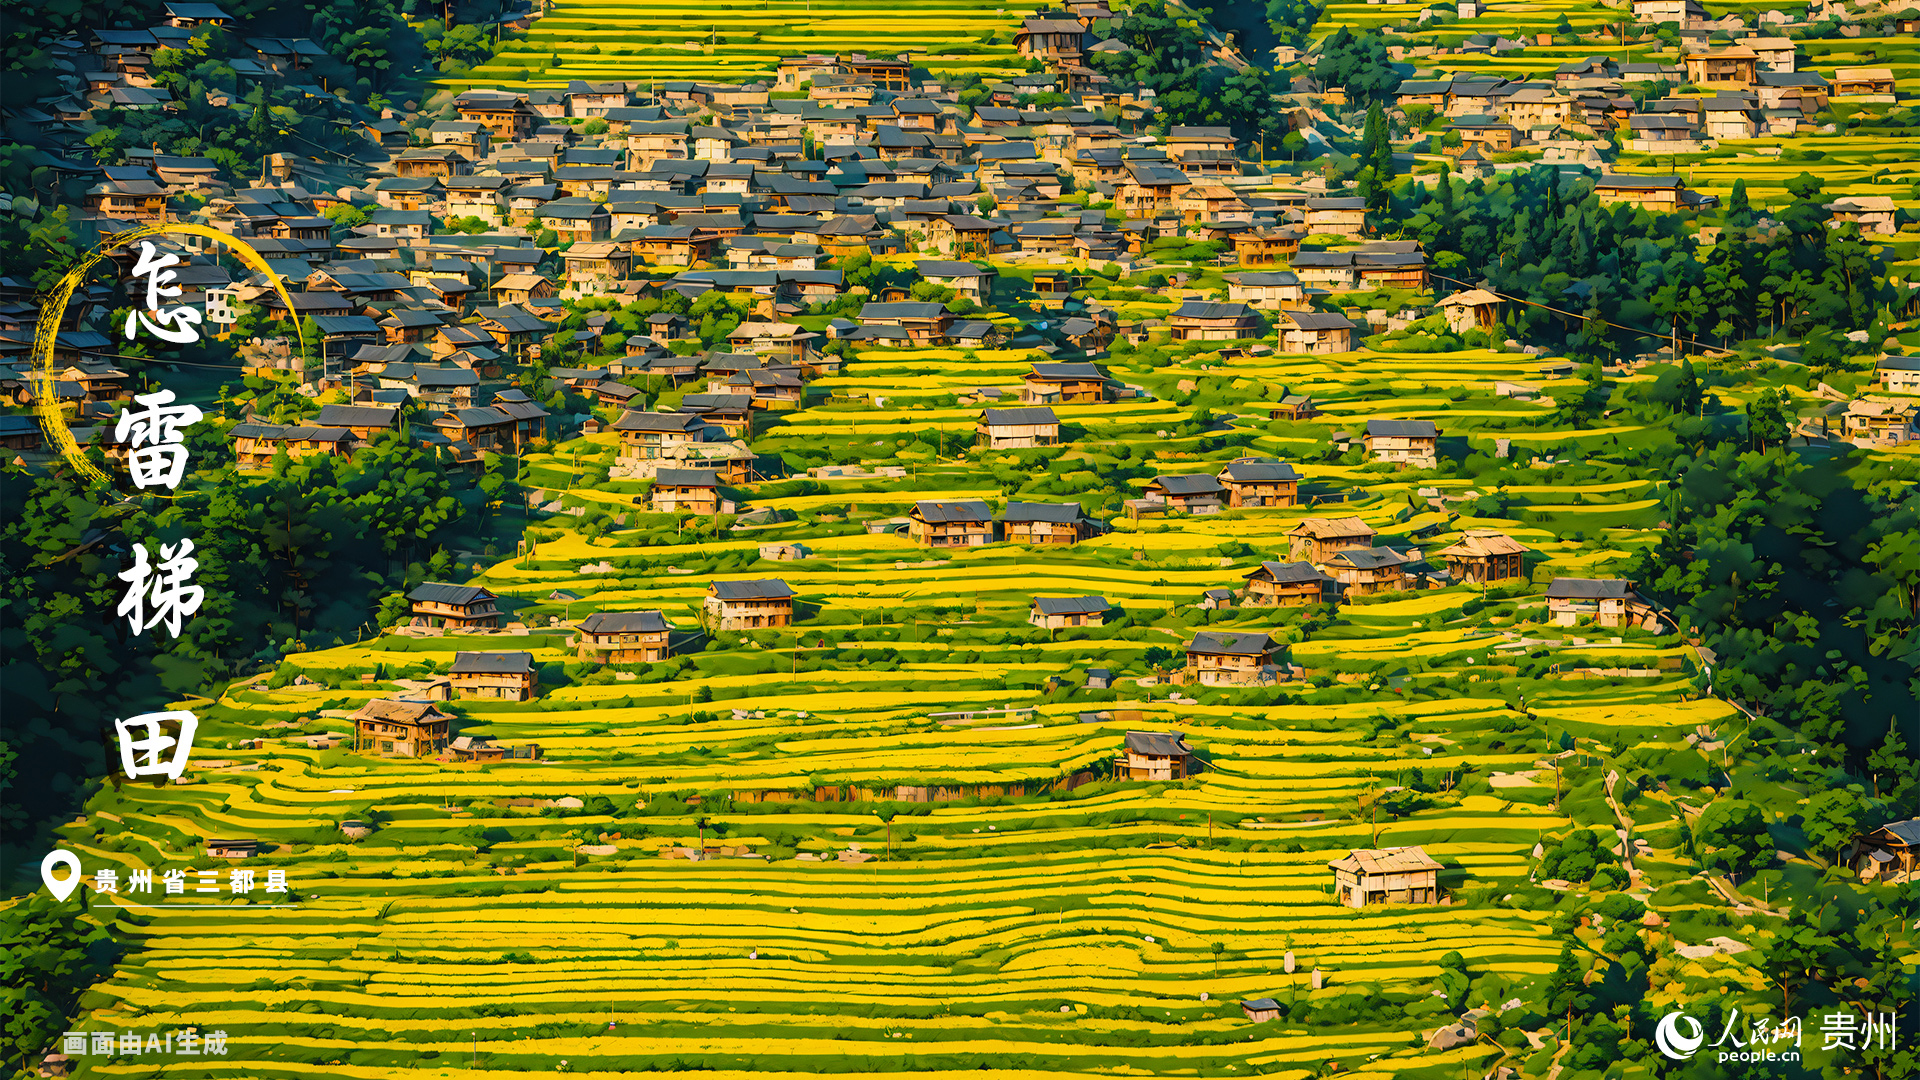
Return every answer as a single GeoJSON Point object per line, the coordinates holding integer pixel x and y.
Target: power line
{"type": "Point", "coordinates": [1662, 334]}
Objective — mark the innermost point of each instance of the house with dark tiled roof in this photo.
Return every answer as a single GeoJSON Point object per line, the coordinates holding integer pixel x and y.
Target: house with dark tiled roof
{"type": "Point", "coordinates": [747, 605]}
{"type": "Point", "coordinates": [507, 676]}
{"type": "Point", "coordinates": [1063, 612]}
{"type": "Point", "coordinates": [623, 637]}
{"type": "Point", "coordinates": [454, 606]}
{"type": "Point", "coordinates": [1047, 523]}
{"type": "Point", "coordinates": [1201, 320]}
{"type": "Point", "coordinates": [1230, 658]}
{"type": "Point", "coordinates": [950, 523]}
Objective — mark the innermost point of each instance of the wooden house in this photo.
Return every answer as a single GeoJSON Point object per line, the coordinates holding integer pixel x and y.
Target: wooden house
{"type": "Point", "coordinates": [1369, 571]}
{"type": "Point", "coordinates": [1600, 601]}
{"type": "Point", "coordinates": [459, 607]}
{"type": "Point", "coordinates": [1263, 248]}
{"type": "Point", "coordinates": [1290, 584]}
{"type": "Point", "coordinates": [1061, 612]}
{"type": "Point", "coordinates": [596, 263]}
{"type": "Point", "coordinates": [1890, 853]}
{"type": "Point", "coordinates": [1155, 755]}
{"type": "Point", "coordinates": [1267, 291]}
{"type": "Point", "coordinates": [400, 727]}
{"type": "Point", "coordinates": [1261, 1010]}
{"type": "Point", "coordinates": [1229, 659]}
{"type": "Point", "coordinates": [649, 436]}
{"type": "Point", "coordinates": [1072, 384]}
{"type": "Point", "coordinates": [973, 282]}
{"type": "Point", "coordinates": [686, 491]}
{"type": "Point", "coordinates": [1260, 482]}
{"type": "Point", "coordinates": [944, 523]}
{"type": "Point", "coordinates": [1474, 309]}
{"type": "Point", "coordinates": [1200, 320]}
{"type": "Point", "coordinates": [1863, 82]}
{"type": "Point", "coordinates": [1879, 421]}
{"type": "Point", "coordinates": [1898, 374]}
{"type": "Point", "coordinates": [505, 675]}
{"type": "Point", "coordinates": [1047, 523]}
{"type": "Point", "coordinates": [1404, 875]}
{"type": "Point", "coordinates": [1318, 539]}
{"type": "Point", "coordinates": [1653, 192]}
{"type": "Point", "coordinates": [622, 637]}
{"type": "Point", "coordinates": [1194, 493]}
{"type": "Point", "coordinates": [1484, 555]}
{"type": "Point", "coordinates": [1056, 40]}
{"type": "Point", "coordinates": [507, 117]}
{"type": "Point", "coordinates": [925, 323]}
{"type": "Point", "coordinates": [1408, 443]}
{"type": "Point", "coordinates": [1313, 333]}
{"type": "Point", "coordinates": [1293, 407]}
{"type": "Point", "coordinates": [1339, 216]}
{"type": "Point", "coordinates": [1871, 213]}
{"type": "Point", "coordinates": [748, 605]}
{"type": "Point", "coordinates": [1017, 429]}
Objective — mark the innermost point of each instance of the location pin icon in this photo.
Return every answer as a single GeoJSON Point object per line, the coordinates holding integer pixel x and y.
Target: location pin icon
{"type": "Point", "coordinates": [61, 889]}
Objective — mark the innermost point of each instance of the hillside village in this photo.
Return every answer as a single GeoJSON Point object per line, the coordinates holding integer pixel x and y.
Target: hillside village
{"type": "Point", "coordinates": [1392, 524]}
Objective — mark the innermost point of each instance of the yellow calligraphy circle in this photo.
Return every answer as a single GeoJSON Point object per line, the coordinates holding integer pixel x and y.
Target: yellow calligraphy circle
{"type": "Point", "coordinates": [54, 302]}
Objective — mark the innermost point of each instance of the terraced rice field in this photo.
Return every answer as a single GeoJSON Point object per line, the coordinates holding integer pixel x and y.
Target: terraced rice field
{"type": "Point", "coordinates": [1053, 921]}
{"type": "Point", "coordinates": [744, 41]}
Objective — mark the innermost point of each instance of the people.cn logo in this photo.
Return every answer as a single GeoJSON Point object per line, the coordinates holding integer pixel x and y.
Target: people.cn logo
{"type": "Point", "coordinates": [1679, 1036]}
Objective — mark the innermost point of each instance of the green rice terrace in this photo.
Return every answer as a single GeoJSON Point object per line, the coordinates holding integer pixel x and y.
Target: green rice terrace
{"type": "Point", "coordinates": [916, 854]}
{"type": "Point", "coordinates": [744, 41]}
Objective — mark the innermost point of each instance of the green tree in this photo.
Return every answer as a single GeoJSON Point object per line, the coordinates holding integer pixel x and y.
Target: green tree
{"type": "Point", "coordinates": [1739, 213]}
{"type": "Point", "coordinates": [1567, 988]}
{"type": "Point", "coordinates": [1831, 820]}
{"type": "Point", "coordinates": [1733, 839]}
{"type": "Point", "coordinates": [1767, 423]}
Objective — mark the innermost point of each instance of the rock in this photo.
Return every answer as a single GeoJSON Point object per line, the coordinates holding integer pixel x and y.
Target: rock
{"type": "Point", "coordinates": [1319, 979]}
{"type": "Point", "coordinates": [1286, 962]}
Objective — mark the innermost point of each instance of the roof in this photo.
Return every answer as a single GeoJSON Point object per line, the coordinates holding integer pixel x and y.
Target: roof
{"type": "Point", "coordinates": [625, 622]}
{"type": "Point", "coordinates": [1158, 743]}
{"type": "Point", "coordinates": [491, 663]}
{"type": "Point", "coordinates": [400, 711]}
{"type": "Point", "coordinates": [1638, 183]}
{"type": "Point", "coordinates": [356, 416]}
{"type": "Point", "coordinates": [760, 589]}
{"type": "Point", "coordinates": [940, 268]}
{"type": "Point", "coordinates": [1316, 320]}
{"type": "Point", "coordinates": [1579, 588]}
{"type": "Point", "coordinates": [1036, 415]}
{"type": "Point", "coordinates": [1290, 572]}
{"type": "Point", "coordinates": [1189, 484]}
{"type": "Point", "coordinates": [1373, 558]}
{"type": "Point", "coordinates": [652, 421]}
{"type": "Point", "coordinates": [1067, 371]}
{"type": "Point", "coordinates": [1477, 543]}
{"type": "Point", "coordinates": [1070, 605]}
{"type": "Point", "coordinates": [1201, 309]}
{"type": "Point", "coordinates": [703, 478]}
{"type": "Point", "coordinates": [1060, 513]}
{"type": "Point", "coordinates": [436, 592]}
{"type": "Point", "coordinates": [1259, 470]}
{"type": "Point", "coordinates": [1908, 831]}
{"type": "Point", "coordinates": [1235, 644]}
{"type": "Point", "coordinates": [1331, 528]}
{"type": "Point", "coordinates": [1386, 861]}
{"type": "Point", "coordinates": [1408, 429]}
{"type": "Point", "coordinates": [943, 510]}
